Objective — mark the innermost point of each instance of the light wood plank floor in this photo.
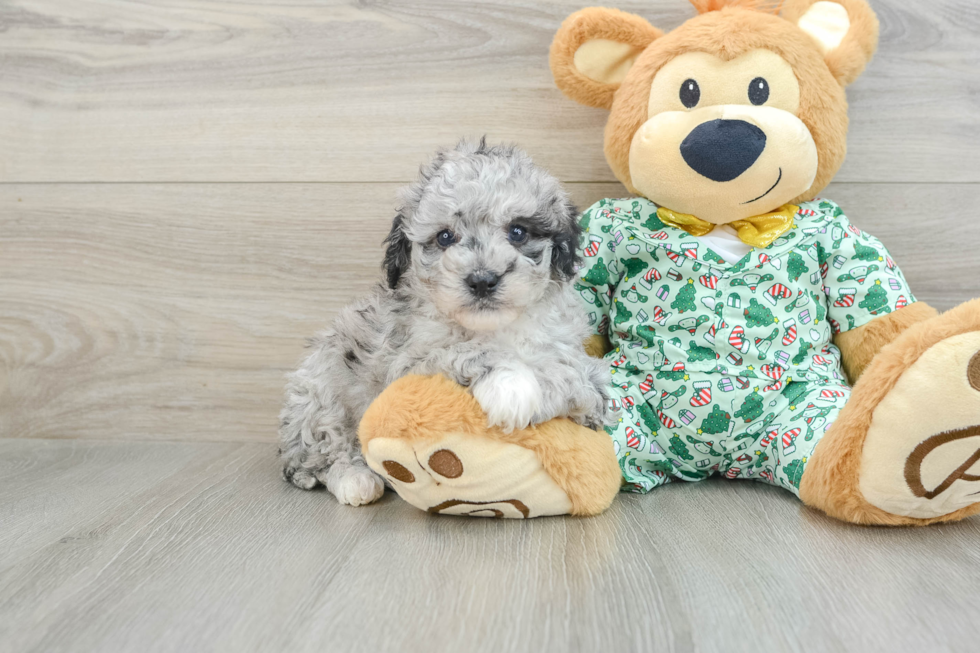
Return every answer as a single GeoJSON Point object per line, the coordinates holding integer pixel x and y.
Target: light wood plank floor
{"type": "Point", "coordinates": [191, 188]}
{"type": "Point", "coordinates": [112, 546]}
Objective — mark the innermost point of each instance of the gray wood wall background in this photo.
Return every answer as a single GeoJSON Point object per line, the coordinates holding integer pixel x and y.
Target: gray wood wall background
{"type": "Point", "coordinates": [190, 189]}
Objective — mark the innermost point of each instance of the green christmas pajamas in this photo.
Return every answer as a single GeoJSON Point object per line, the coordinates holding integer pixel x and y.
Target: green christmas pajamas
{"type": "Point", "coordinates": [727, 366]}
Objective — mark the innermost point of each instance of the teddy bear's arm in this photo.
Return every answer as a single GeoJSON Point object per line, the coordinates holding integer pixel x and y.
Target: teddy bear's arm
{"type": "Point", "coordinates": [869, 301]}
{"type": "Point", "coordinates": [599, 275]}
{"type": "Point", "coordinates": [858, 346]}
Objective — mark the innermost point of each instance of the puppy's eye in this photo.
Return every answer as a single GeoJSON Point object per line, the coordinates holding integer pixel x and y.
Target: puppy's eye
{"type": "Point", "coordinates": [517, 234]}
{"type": "Point", "coordinates": [446, 238]}
{"type": "Point", "coordinates": [690, 94]}
{"type": "Point", "coordinates": [758, 91]}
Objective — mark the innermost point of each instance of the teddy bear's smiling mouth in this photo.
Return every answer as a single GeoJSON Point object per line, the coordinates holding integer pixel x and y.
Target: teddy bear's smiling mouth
{"type": "Point", "coordinates": [771, 188]}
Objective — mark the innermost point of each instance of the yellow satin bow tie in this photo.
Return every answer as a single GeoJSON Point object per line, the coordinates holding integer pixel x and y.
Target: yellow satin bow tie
{"type": "Point", "coordinates": [758, 231]}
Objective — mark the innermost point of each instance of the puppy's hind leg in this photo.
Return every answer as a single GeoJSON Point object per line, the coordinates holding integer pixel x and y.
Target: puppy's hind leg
{"type": "Point", "coordinates": [318, 445]}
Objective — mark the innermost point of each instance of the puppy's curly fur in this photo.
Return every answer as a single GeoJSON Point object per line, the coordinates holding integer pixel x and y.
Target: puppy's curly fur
{"type": "Point", "coordinates": [477, 287]}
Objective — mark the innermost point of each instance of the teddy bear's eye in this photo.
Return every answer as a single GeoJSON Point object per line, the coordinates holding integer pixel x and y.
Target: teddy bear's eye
{"type": "Point", "coordinates": [690, 93]}
{"type": "Point", "coordinates": [758, 91]}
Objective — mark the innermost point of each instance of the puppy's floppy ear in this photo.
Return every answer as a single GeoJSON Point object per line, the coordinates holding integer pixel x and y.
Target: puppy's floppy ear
{"type": "Point", "coordinates": [846, 31]}
{"type": "Point", "coordinates": [594, 49]}
{"type": "Point", "coordinates": [399, 252]}
{"type": "Point", "coordinates": [564, 253]}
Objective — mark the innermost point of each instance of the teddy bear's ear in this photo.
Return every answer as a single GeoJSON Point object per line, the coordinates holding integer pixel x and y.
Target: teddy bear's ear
{"type": "Point", "coordinates": [594, 49]}
{"type": "Point", "coordinates": [846, 31]}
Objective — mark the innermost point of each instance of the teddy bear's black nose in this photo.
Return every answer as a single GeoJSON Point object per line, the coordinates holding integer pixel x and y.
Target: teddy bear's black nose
{"type": "Point", "coordinates": [721, 150]}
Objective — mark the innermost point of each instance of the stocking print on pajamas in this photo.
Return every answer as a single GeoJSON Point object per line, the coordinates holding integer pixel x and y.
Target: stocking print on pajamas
{"type": "Point", "coordinates": [726, 366]}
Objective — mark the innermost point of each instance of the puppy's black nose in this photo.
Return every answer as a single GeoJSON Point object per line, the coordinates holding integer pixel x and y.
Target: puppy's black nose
{"type": "Point", "coordinates": [721, 150]}
{"type": "Point", "coordinates": [482, 283]}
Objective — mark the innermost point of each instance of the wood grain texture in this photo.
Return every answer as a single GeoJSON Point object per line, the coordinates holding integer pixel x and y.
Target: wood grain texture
{"type": "Point", "coordinates": [161, 311]}
{"type": "Point", "coordinates": [207, 90]}
{"type": "Point", "coordinates": [160, 547]}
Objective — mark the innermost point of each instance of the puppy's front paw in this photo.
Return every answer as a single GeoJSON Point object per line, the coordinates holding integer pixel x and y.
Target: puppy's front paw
{"type": "Point", "coordinates": [510, 398]}
{"type": "Point", "coordinates": [354, 485]}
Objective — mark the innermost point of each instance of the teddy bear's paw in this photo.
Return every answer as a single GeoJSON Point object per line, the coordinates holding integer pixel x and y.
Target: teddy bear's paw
{"type": "Point", "coordinates": [469, 475]}
{"type": "Point", "coordinates": [921, 455]}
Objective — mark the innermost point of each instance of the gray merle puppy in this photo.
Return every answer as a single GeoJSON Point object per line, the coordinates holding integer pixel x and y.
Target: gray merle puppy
{"type": "Point", "coordinates": [477, 287]}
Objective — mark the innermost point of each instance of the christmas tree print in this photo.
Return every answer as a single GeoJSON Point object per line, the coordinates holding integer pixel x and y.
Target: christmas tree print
{"type": "Point", "coordinates": [672, 375]}
{"type": "Point", "coordinates": [649, 417]}
{"type": "Point", "coordinates": [685, 298]}
{"type": "Point", "coordinates": [680, 449]}
{"type": "Point", "coordinates": [585, 220]}
{"type": "Point", "coordinates": [598, 274]}
{"type": "Point", "coordinates": [757, 315]}
{"type": "Point", "coordinates": [623, 314]}
{"type": "Point", "coordinates": [796, 267]}
{"type": "Point", "coordinates": [652, 222]}
{"type": "Point", "coordinates": [865, 253]}
{"type": "Point", "coordinates": [633, 266]}
{"type": "Point", "coordinates": [645, 333]}
{"type": "Point", "coordinates": [740, 265]}
{"type": "Point", "coordinates": [793, 391]}
{"type": "Point", "coordinates": [822, 255]}
{"type": "Point", "coordinates": [697, 353]}
{"type": "Point", "coordinates": [717, 421]}
{"type": "Point", "coordinates": [794, 471]}
{"type": "Point", "coordinates": [751, 408]}
{"type": "Point", "coordinates": [658, 467]}
{"type": "Point", "coordinates": [710, 255]}
{"type": "Point", "coordinates": [876, 300]}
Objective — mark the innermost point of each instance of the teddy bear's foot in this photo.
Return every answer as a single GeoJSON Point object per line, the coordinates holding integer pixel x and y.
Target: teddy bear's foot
{"type": "Point", "coordinates": [428, 437]}
{"type": "Point", "coordinates": [906, 449]}
{"type": "Point", "coordinates": [470, 475]}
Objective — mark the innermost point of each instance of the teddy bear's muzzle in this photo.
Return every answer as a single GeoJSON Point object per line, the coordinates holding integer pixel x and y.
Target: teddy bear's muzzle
{"type": "Point", "coordinates": [722, 150]}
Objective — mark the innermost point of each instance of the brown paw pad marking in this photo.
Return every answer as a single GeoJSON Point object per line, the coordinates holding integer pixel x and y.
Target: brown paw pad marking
{"type": "Point", "coordinates": [481, 507]}
{"type": "Point", "coordinates": [973, 371]}
{"type": "Point", "coordinates": [398, 471]}
{"type": "Point", "coordinates": [445, 463]}
{"type": "Point", "coordinates": [913, 466]}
